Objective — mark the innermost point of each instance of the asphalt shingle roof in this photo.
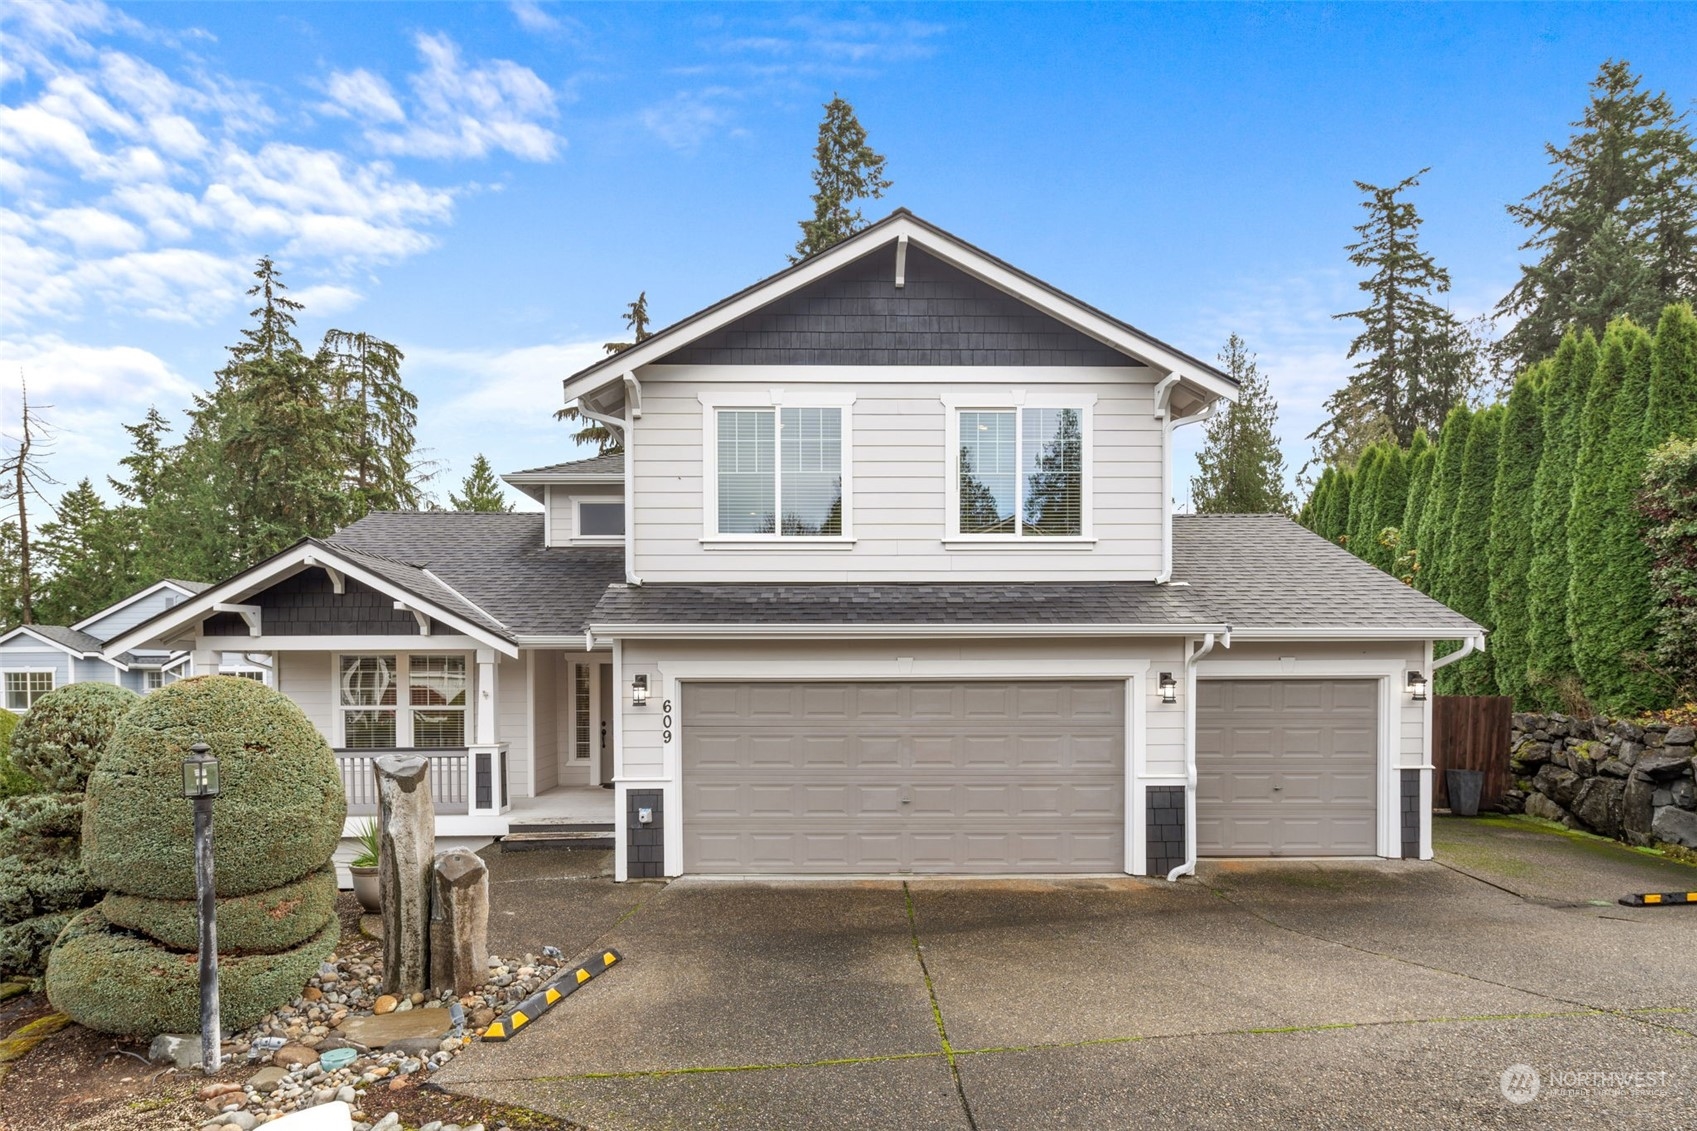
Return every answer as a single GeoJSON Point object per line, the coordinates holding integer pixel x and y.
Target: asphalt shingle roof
{"type": "Point", "coordinates": [610, 466]}
{"type": "Point", "coordinates": [493, 560]}
{"type": "Point", "coordinates": [69, 637]}
{"type": "Point", "coordinates": [1265, 571]}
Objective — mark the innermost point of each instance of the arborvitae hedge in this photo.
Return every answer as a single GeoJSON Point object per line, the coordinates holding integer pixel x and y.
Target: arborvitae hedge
{"type": "Point", "coordinates": [1390, 498]}
{"type": "Point", "coordinates": [1421, 469]}
{"type": "Point", "coordinates": [1364, 503]}
{"type": "Point", "coordinates": [1510, 550]}
{"type": "Point", "coordinates": [1673, 379]}
{"type": "Point", "coordinates": [1669, 504]}
{"type": "Point", "coordinates": [1438, 517]}
{"type": "Point", "coordinates": [1467, 579]}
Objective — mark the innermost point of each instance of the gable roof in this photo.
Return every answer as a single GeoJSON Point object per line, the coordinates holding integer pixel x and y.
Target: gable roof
{"type": "Point", "coordinates": [899, 225]}
{"type": "Point", "coordinates": [184, 588]}
{"type": "Point", "coordinates": [607, 469]}
{"type": "Point", "coordinates": [71, 641]}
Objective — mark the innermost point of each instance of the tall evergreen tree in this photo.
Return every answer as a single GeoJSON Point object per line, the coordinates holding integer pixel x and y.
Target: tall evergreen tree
{"type": "Point", "coordinates": [1423, 459]}
{"type": "Point", "coordinates": [1390, 500]}
{"type": "Point", "coordinates": [606, 441]}
{"type": "Point", "coordinates": [1364, 501]}
{"type": "Point", "coordinates": [1611, 608]}
{"type": "Point", "coordinates": [1673, 378]}
{"type": "Point", "coordinates": [1615, 229]}
{"type": "Point", "coordinates": [1242, 470]}
{"type": "Point", "coordinates": [1510, 552]}
{"type": "Point", "coordinates": [1466, 575]}
{"type": "Point", "coordinates": [1335, 521]}
{"type": "Point", "coordinates": [1550, 671]}
{"type": "Point", "coordinates": [846, 170]}
{"type": "Point", "coordinates": [480, 490]}
{"type": "Point", "coordinates": [377, 413]}
{"type": "Point", "coordinates": [90, 557]}
{"type": "Point", "coordinates": [1668, 503]}
{"type": "Point", "coordinates": [1317, 500]}
{"type": "Point", "coordinates": [1414, 359]}
{"type": "Point", "coordinates": [1438, 516]}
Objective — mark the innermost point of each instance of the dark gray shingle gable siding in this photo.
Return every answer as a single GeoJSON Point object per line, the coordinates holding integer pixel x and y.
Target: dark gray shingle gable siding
{"type": "Point", "coordinates": [307, 605]}
{"type": "Point", "coordinates": [858, 316]}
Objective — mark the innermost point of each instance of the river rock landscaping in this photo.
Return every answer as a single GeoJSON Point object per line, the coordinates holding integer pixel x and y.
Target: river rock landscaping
{"type": "Point", "coordinates": [1627, 780]}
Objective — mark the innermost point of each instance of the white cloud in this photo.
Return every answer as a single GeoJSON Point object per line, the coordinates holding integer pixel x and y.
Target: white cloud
{"type": "Point", "coordinates": [531, 17]}
{"type": "Point", "coordinates": [689, 118]}
{"type": "Point", "coordinates": [93, 229]}
{"type": "Point", "coordinates": [458, 109]}
{"type": "Point", "coordinates": [327, 299]}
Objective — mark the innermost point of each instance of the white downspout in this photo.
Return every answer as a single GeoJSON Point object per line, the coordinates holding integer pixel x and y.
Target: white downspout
{"type": "Point", "coordinates": [1188, 868]}
{"type": "Point", "coordinates": [1168, 424]}
{"type": "Point", "coordinates": [627, 437]}
{"type": "Point", "coordinates": [1468, 647]}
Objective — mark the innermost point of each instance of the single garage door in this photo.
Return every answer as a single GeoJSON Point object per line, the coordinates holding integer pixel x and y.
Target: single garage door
{"type": "Point", "coordinates": [1287, 767]}
{"type": "Point", "coordinates": [893, 777]}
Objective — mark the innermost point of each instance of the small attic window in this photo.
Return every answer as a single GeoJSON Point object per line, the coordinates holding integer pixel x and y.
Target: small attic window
{"type": "Point", "coordinates": [600, 520]}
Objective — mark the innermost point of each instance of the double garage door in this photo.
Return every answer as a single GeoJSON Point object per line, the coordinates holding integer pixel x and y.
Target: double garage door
{"type": "Point", "coordinates": [1287, 767]}
{"type": "Point", "coordinates": [904, 777]}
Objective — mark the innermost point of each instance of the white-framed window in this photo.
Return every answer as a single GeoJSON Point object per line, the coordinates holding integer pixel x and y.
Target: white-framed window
{"type": "Point", "coordinates": [152, 679]}
{"type": "Point", "coordinates": [1019, 470]}
{"type": "Point", "coordinates": [598, 519]}
{"type": "Point", "coordinates": [23, 688]}
{"type": "Point", "coordinates": [402, 701]}
{"type": "Point", "coordinates": [779, 470]}
{"type": "Point", "coordinates": [580, 712]}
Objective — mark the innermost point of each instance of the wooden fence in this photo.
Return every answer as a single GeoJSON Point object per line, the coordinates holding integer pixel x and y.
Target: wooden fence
{"type": "Point", "coordinates": [1471, 732]}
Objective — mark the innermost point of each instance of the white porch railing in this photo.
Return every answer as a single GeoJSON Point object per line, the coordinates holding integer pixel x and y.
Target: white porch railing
{"type": "Point", "coordinates": [450, 785]}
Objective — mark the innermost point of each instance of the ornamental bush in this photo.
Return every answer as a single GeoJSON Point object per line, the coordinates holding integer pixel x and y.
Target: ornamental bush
{"type": "Point", "coordinates": [13, 781]}
{"type": "Point", "coordinates": [277, 821]}
{"type": "Point", "coordinates": [66, 730]}
{"type": "Point", "coordinates": [116, 981]}
{"type": "Point", "coordinates": [272, 920]}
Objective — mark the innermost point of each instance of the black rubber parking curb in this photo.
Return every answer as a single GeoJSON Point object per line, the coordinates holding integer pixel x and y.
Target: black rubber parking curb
{"type": "Point", "coordinates": [550, 995]}
{"type": "Point", "coordinates": [1660, 899]}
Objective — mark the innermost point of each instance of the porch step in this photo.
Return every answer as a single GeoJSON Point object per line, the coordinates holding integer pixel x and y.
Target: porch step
{"type": "Point", "coordinates": [567, 837]}
{"type": "Point", "coordinates": [559, 825]}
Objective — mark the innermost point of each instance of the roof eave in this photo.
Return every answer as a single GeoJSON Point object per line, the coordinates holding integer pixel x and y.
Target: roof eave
{"type": "Point", "coordinates": [861, 631]}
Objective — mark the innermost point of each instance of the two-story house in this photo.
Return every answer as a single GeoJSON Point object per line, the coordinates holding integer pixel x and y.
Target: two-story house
{"type": "Point", "coordinates": [886, 579]}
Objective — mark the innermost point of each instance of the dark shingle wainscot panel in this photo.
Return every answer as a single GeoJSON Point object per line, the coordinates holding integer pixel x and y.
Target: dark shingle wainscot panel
{"type": "Point", "coordinates": [1411, 814]}
{"type": "Point", "coordinates": [645, 844]}
{"type": "Point", "coordinates": [1163, 829]}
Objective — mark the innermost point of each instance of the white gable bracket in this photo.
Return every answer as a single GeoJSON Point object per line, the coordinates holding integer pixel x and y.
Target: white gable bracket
{"type": "Point", "coordinates": [338, 579]}
{"type": "Point", "coordinates": [901, 261]}
{"type": "Point", "coordinates": [419, 615]}
{"type": "Point", "coordinates": [250, 614]}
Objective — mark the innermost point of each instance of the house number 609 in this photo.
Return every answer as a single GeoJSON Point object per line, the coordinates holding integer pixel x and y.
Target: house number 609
{"type": "Point", "coordinates": [666, 721]}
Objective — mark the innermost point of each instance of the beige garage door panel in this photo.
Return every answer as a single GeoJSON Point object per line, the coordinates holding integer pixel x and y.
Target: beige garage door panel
{"type": "Point", "coordinates": [889, 777]}
{"type": "Point", "coordinates": [1287, 767]}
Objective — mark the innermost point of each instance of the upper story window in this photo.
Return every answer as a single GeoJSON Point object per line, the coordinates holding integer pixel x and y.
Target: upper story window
{"type": "Point", "coordinates": [1021, 471]}
{"type": "Point", "coordinates": [779, 471]}
{"type": "Point", "coordinates": [600, 520]}
{"type": "Point", "coordinates": [24, 688]}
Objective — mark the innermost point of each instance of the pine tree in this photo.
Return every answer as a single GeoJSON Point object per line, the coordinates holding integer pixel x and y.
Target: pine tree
{"type": "Point", "coordinates": [1423, 460]}
{"type": "Point", "coordinates": [1414, 360]}
{"type": "Point", "coordinates": [1466, 575]}
{"type": "Point", "coordinates": [1242, 468]}
{"type": "Point", "coordinates": [1550, 670]}
{"type": "Point", "coordinates": [89, 555]}
{"type": "Point", "coordinates": [23, 474]}
{"type": "Point", "coordinates": [846, 169]}
{"type": "Point", "coordinates": [377, 414]}
{"type": "Point", "coordinates": [1510, 550]}
{"type": "Point", "coordinates": [1673, 378]}
{"type": "Point", "coordinates": [606, 441]}
{"type": "Point", "coordinates": [480, 490]}
{"type": "Point", "coordinates": [1624, 192]}
{"type": "Point", "coordinates": [1439, 514]}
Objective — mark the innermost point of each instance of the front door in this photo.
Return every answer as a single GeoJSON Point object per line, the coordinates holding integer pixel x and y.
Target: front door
{"type": "Point", "coordinates": [604, 677]}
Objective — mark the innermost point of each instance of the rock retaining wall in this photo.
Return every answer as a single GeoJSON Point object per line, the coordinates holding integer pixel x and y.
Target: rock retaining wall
{"type": "Point", "coordinates": [1620, 779]}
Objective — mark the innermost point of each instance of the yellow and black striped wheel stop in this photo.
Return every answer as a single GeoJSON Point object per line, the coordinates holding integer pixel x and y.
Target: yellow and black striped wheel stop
{"type": "Point", "coordinates": [549, 996]}
{"type": "Point", "coordinates": [1662, 899]}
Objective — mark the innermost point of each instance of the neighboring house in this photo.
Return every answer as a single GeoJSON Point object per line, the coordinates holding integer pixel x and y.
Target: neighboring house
{"type": "Point", "coordinates": [886, 580]}
{"type": "Point", "coordinates": [36, 658]}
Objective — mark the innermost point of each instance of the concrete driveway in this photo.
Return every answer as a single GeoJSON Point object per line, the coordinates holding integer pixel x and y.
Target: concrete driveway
{"type": "Point", "coordinates": [1383, 994]}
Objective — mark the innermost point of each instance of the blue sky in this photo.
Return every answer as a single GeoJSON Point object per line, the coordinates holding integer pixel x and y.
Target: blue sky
{"type": "Point", "coordinates": [488, 184]}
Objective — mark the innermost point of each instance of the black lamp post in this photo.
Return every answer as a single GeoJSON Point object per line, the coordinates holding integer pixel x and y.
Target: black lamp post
{"type": "Point", "coordinates": [200, 785]}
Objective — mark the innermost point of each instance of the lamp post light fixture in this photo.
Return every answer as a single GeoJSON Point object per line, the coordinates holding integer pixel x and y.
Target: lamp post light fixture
{"type": "Point", "coordinates": [201, 785]}
{"type": "Point", "coordinates": [1417, 686]}
{"type": "Point", "coordinates": [1169, 688]}
{"type": "Point", "coordinates": [638, 690]}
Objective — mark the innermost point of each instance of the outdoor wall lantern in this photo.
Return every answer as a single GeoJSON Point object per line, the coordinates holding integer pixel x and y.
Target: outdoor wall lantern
{"type": "Point", "coordinates": [1417, 686]}
{"type": "Point", "coordinates": [200, 785]}
{"type": "Point", "coordinates": [638, 690]}
{"type": "Point", "coordinates": [1169, 688]}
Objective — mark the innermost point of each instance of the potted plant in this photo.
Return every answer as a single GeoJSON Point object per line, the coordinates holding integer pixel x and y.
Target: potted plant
{"type": "Point", "coordinates": [364, 869]}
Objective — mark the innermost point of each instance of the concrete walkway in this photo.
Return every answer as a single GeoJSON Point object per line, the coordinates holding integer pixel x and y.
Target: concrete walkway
{"type": "Point", "coordinates": [1380, 994]}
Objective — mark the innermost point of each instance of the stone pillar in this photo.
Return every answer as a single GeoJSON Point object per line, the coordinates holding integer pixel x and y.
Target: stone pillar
{"type": "Point", "coordinates": [406, 846]}
{"type": "Point", "coordinates": [459, 922]}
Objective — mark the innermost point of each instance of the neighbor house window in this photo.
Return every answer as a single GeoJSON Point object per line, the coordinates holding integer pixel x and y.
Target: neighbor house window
{"type": "Point", "coordinates": [152, 680]}
{"type": "Point", "coordinates": [24, 688]}
{"type": "Point", "coordinates": [436, 690]}
{"type": "Point", "coordinates": [780, 472]}
{"type": "Point", "coordinates": [1020, 472]}
{"type": "Point", "coordinates": [370, 691]}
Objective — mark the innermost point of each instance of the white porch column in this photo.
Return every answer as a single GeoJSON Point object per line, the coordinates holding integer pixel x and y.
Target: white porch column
{"type": "Point", "coordinates": [486, 761]}
{"type": "Point", "coordinates": [483, 722]}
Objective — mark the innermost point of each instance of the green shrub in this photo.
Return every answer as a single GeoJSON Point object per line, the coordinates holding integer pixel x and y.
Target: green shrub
{"type": "Point", "coordinates": [24, 946]}
{"type": "Point", "coordinates": [13, 781]}
{"type": "Point", "coordinates": [115, 981]}
{"type": "Point", "coordinates": [66, 731]}
{"type": "Point", "coordinates": [42, 880]}
{"type": "Point", "coordinates": [267, 921]}
{"type": "Point", "coordinates": [280, 814]}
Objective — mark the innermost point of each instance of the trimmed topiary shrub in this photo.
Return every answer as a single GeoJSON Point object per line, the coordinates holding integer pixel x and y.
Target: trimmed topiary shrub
{"type": "Point", "coordinates": [278, 820]}
{"type": "Point", "coordinates": [13, 781]}
{"type": "Point", "coordinates": [270, 920]}
{"type": "Point", "coordinates": [116, 981]}
{"type": "Point", "coordinates": [58, 742]}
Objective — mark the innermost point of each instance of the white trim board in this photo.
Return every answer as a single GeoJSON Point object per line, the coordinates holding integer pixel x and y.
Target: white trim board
{"type": "Point", "coordinates": [132, 599]}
